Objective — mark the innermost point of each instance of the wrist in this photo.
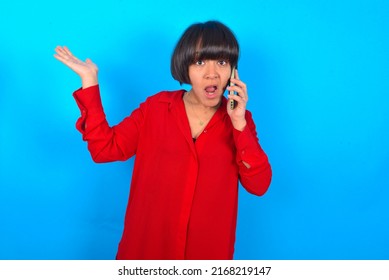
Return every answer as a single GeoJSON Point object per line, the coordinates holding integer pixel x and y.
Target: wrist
{"type": "Point", "coordinates": [89, 81]}
{"type": "Point", "coordinates": [239, 125]}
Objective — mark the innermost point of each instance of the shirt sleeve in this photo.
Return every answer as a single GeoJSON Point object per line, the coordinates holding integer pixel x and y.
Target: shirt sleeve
{"type": "Point", "coordinates": [255, 177]}
{"type": "Point", "coordinates": [106, 143]}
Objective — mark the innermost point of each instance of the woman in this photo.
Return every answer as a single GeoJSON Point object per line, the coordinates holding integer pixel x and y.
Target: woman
{"type": "Point", "coordinates": [191, 149]}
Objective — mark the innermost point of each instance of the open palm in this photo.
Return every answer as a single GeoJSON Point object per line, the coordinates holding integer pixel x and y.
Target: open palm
{"type": "Point", "coordinates": [87, 70]}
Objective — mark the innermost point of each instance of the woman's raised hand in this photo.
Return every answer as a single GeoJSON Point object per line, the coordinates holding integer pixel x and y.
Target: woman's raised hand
{"type": "Point", "coordinates": [87, 70]}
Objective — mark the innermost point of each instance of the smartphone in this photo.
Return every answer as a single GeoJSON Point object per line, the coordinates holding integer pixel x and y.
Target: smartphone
{"type": "Point", "coordinates": [232, 102]}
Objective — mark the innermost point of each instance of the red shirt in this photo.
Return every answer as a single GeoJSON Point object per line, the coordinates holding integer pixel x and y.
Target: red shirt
{"type": "Point", "coordinates": [184, 194]}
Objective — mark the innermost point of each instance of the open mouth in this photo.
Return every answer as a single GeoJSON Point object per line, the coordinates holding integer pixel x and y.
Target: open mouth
{"type": "Point", "coordinates": [211, 91]}
{"type": "Point", "coordinates": [211, 88]}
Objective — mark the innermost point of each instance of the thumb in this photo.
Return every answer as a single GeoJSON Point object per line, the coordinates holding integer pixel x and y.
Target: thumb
{"type": "Point", "coordinates": [90, 63]}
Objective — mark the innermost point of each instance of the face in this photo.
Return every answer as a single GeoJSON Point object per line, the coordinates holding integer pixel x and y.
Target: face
{"type": "Point", "coordinates": [209, 79]}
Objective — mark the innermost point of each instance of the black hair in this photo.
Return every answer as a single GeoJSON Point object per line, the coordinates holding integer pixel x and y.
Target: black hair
{"type": "Point", "coordinates": [201, 41]}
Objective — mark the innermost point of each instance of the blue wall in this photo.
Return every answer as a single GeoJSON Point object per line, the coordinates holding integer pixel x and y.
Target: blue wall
{"type": "Point", "coordinates": [318, 79]}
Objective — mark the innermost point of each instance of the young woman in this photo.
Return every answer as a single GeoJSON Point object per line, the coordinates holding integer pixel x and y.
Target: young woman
{"type": "Point", "coordinates": [191, 150]}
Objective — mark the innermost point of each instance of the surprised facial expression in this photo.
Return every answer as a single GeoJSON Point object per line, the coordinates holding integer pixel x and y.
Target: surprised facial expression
{"type": "Point", "coordinates": [209, 79]}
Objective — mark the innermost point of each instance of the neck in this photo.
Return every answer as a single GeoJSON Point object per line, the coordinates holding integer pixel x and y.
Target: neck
{"type": "Point", "coordinates": [193, 101]}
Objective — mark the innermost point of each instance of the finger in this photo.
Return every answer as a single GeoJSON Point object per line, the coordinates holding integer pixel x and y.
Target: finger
{"type": "Point", "coordinates": [89, 61]}
{"type": "Point", "coordinates": [65, 53]}
{"type": "Point", "coordinates": [66, 49]}
{"type": "Point", "coordinates": [239, 83]}
{"type": "Point", "coordinates": [239, 108]}
{"type": "Point", "coordinates": [59, 50]}
{"type": "Point", "coordinates": [62, 53]}
{"type": "Point", "coordinates": [239, 89]}
{"type": "Point", "coordinates": [241, 101]}
{"type": "Point", "coordinates": [63, 56]}
{"type": "Point", "coordinates": [238, 98]}
{"type": "Point", "coordinates": [63, 59]}
{"type": "Point", "coordinates": [59, 53]}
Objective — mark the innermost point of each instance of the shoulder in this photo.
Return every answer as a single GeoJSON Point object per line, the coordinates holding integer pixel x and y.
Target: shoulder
{"type": "Point", "coordinates": [161, 101]}
{"type": "Point", "coordinates": [155, 101]}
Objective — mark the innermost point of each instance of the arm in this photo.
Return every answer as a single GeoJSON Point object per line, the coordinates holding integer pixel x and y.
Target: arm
{"type": "Point", "coordinates": [105, 143]}
{"type": "Point", "coordinates": [254, 168]}
{"type": "Point", "coordinates": [238, 115]}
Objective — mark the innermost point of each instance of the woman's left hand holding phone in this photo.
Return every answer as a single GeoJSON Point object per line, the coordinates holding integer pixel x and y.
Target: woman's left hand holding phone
{"type": "Point", "coordinates": [87, 70]}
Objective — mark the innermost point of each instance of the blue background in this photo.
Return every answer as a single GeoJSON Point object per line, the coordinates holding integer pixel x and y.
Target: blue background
{"type": "Point", "coordinates": [318, 80]}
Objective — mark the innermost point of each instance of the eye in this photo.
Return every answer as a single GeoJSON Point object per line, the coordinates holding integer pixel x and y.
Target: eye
{"type": "Point", "coordinates": [222, 62]}
{"type": "Point", "coordinates": [199, 62]}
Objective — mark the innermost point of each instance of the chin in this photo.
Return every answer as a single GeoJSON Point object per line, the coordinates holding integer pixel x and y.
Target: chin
{"type": "Point", "coordinates": [213, 102]}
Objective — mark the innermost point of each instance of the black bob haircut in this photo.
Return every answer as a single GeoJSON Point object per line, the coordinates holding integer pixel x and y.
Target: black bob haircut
{"type": "Point", "coordinates": [202, 41]}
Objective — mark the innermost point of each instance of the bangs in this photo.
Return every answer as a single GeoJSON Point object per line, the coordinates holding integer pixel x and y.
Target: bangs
{"type": "Point", "coordinates": [215, 45]}
{"type": "Point", "coordinates": [212, 52]}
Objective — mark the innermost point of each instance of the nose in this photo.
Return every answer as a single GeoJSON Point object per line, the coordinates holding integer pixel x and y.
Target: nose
{"type": "Point", "coordinates": [211, 70]}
